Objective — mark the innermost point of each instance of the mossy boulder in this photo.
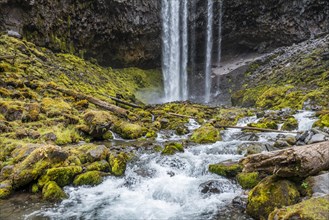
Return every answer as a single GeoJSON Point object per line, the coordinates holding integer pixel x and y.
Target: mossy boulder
{"type": "Point", "coordinates": [172, 148]}
{"type": "Point", "coordinates": [118, 163]}
{"type": "Point", "coordinates": [36, 164]}
{"type": "Point", "coordinates": [91, 178]}
{"type": "Point", "coordinates": [98, 122]}
{"type": "Point", "coordinates": [6, 189]}
{"type": "Point", "coordinates": [206, 134]}
{"type": "Point", "coordinates": [98, 153]}
{"type": "Point", "coordinates": [102, 165]}
{"type": "Point", "coordinates": [248, 180]}
{"type": "Point", "coordinates": [269, 194]}
{"type": "Point", "coordinates": [128, 130]}
{"type": "Point", "coordinates": [290, 124]}
{"type": "Point", "coordinates": [313, 209]}
{"type": "Point", "coordinates": [265, 123]}
{"type": "Point", "coordinates": [225, 169]}
{"type": "Point", "coordinates": [54, 107]}
{"type": "Point", "coordinates": [52, 192]}
{"type": "Point", "coordinates": [63, 176]}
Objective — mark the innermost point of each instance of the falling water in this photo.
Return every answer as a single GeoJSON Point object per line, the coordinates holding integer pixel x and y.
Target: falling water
{"type": "Point", "coordinates": [209, 51]}
{"type": "Point", "coordinates": [175, 49]}
{"type": "Point", "coordinates": [220, 20]}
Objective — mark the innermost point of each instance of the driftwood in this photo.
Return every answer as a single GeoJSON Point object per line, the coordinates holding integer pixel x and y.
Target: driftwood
{"type": "Point", "coordinates": [254, 129]}
{"type": "Point", "coordinates": [124, 102]}
{"type": "Point", "coordinates": [102, 104]}
{"type": "Point", "coordinates": [292, 162]}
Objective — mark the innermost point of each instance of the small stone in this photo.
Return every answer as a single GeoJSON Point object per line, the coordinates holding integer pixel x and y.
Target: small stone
{"type": "Point", "coordinates": [316, 139]}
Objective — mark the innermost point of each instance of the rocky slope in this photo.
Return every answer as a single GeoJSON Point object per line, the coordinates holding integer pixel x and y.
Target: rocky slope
{"type": "Point", "coordinates": [128, 33]}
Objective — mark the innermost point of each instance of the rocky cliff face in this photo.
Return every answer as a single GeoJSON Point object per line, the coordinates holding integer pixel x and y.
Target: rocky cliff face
{"type": "Point", "coordinates": [128, 32]}
{"type": "Point", "coordinates": [115, 32]}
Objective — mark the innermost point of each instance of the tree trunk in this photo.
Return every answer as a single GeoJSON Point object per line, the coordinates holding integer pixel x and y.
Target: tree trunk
{"type": "Point", "coordinates": [292, 162]}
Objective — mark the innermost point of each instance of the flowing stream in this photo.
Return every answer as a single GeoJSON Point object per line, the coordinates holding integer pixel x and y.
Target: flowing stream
{"type": "Point", "coordinates": [161, 187]}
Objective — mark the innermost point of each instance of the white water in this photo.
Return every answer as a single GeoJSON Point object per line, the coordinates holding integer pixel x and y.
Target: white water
{"type": "Point", "coordinates": [305, 119]}
{"type": "Point", "coordinates": [209, 47]}
{"type": "Point", "coordinates": [163, 187]}
{"type": "Point", "coordinates": [174, 49]}
{"type": "Point", "coordinates": [169, 189]}
{"type": "Point", "coordinates": [220, 21]}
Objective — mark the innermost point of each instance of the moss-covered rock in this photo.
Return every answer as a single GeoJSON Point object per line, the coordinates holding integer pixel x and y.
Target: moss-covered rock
{"type": "Point", "coordinates": [5, 189]}
{"type": "Point", "coordinates": [118, 163]}
{"type": "Point", "coordinates": [36, 164]}
{"type": "Point", "coordinates": [172, 148]}
{"type": "Point", "coordinates": [206, 134]}
{"type": "Point", "coordinates": [312, 209]}
{"type": "Point", "coordinates": [98, 153]}
{"type": "Point", "coordinates": [265, 123]}
{"type": "Point", "coordinates": [225, 169]}
{"type": "Point", "coordinates": [91, 178]}
{"type": "Point", "coordinates": [99, 122]}
{"type": "Point", "coordinates": [248, 180]}
{"type": "Point", "coordinates": [63, 176]}
{"type": "Point", "coordinates": [128, 130]}
{"type": "Point", "coordinates": [52, 192]}
{"type": "Point", "coordinates": [269, 194]}
{"type": "Point", "coordinates": [102, 165]}
{"type": "Point", "coordinates": [290, 124]}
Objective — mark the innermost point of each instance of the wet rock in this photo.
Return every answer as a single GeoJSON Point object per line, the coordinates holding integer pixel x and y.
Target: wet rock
{"type": "Point", "coordinates": [63, 176]}
{"type": "Point", "coordinates": [269, 194]}
{"type": "Point", "coordinates": [144, 172]}
{"type": "Point", "coordinates": [254, 148]}
{"type": "Point", "coordinates": [240, 202]}
{"type": "Point", "coordinates": [102, 165]}
{"type": "Point", "coordinates": [316, 139]}
{"type": "Point", "coordinates": [99, 122]}
{"type": "Point", "coordinates": [281, 144]}
{"type": "Point", "coordinates": [290, 124]}
{"type": "Point", "coordinates": [319, 184]}
{"type": "Point", "coordinates": [213, 187]}
{"type": "Point", "coordinates": [128, 130]}
{"type": "Point", "coordinates": [101, 152]}
{"type": "Point", "coordinates": [118, 163]}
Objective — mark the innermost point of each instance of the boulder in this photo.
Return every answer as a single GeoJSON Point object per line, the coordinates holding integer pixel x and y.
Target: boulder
{"type": "Point", "coordinates": [206, 134]}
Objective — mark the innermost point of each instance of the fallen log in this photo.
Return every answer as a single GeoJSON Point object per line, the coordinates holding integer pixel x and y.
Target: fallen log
{"type": "Point", "coordinates": [255, 129]}
{"type": "Point", "coordinates": [292, 162]}
{"type": "Point", "coordinates": [179, 115]}
{"type": "Point", "coordinates": [102, 104]}
{"type": "Point", "coordinates": [124, 102]}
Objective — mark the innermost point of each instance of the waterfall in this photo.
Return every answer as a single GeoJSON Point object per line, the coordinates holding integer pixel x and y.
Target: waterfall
{"type": "Point", "coordinates": [220, 21]}
{"type": "Point", "coordinates": [209, 46]}
{"type": "Point", "coordinates": [174, 49]}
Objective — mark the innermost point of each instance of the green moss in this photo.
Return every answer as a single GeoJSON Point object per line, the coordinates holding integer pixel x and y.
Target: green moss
{"type": "Point", "coordinates": [265, 123]}
{"type": "Point", "coordinates": [314, 208]}
{"type": "Point", "coordinates": [52, 192]}
{"type": "Point", "coordinates": [248, 180]}
{"type": "Point", "coordinates": [128, 130]}
{"type": "Point", "coordinates": [118, 163]}
{"type": "Point", "coordinates": [323, 121]}
{"type": "Point", "coordinates": [206, 134]}
{"type": "Point", "coordinates": [35, 188]}
{"type": "Point", "coordinates": [290, 124]}
{"type": "Point", "coordinates": [269, 194]}
{"type": "Point", "coordinates": [227, 170]}
{"type": "Point", "coordinates": [89, 178]}
{"type": "Point", "coordinates": [63, 176]}
{"type": "Point", "coordinates": [5, 189]}
{"type": "Point", "coordinates": [54, 107]}
{"type": "Point", "coordinates": [172, 148]}
{"type": "Point", "coordinates": [102, 165]}
{"type": "Point", "coordinates": [108, 135]}
{"type": "Point", "coordinates": [67, 135]}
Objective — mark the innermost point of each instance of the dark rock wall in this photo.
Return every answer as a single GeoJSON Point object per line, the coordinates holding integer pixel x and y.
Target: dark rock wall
{"type": "Point", "coordinates": [128, 32]}
{"type": "Point", "coordinates": [115, 32]}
